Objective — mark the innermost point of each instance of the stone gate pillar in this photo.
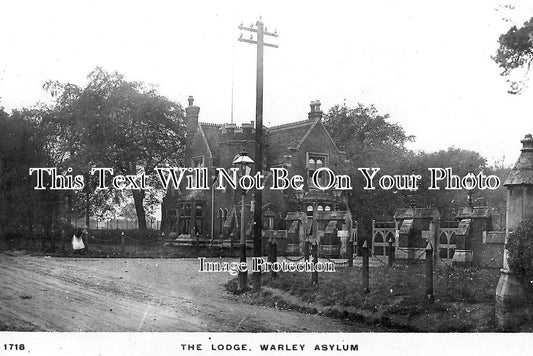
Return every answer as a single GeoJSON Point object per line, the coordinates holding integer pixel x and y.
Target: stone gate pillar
{"type": "Point", "coordinates": [416, 227]}
{"type": "Point", "coordinates": [510, 294]}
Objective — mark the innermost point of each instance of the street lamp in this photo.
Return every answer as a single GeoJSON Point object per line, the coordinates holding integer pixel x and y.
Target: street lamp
{"type": "Point", "coordinates": [337, 194]}
{"type": "Point", "coordinates": [244, 163]}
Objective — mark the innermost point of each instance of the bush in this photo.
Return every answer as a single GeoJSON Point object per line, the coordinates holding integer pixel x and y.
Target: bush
{"type": "Point", "coordinates": [520, 248]}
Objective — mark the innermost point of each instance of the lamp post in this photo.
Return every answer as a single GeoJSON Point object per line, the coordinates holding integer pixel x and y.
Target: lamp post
{"type": "Point", "coordinates": [299, 194]}
{"type": "Point", "coordinates": [337, 194]}
{"type": "Point", "coordinates": [244, 163]}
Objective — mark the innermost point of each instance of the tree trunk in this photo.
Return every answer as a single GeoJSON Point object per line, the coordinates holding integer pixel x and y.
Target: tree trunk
{"type": "Point", "coordinates": [69, 209]}
{"type": "Point", "coordinates": [138, 199]}
{"type": "Point", "coordinates": [87, 210]}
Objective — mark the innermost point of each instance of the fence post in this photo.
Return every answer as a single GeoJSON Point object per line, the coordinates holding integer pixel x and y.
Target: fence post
{"type": "Point", "coordinates": [429, 273]}
{"type": "Point", "coordinates": [197, 241]}
{"type": "Point", "coordinates": [272, 254]}
{"type": "Point", "coordinates": [349, 250]}
{"type": "Point", "coordinates": [391, 254]}
{"type": "Point", "coordinates": [314, 253]}
{"type": "Point", "coordinates": [366, 268]}
{"type": "Point", "coordinates": [122, 243]}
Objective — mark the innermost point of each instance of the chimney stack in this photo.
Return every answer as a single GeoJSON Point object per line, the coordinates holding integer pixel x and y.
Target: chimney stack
{"type": "Point", "coordinates": [191, 116]}
{"type": "Point", "coordinates": [315, 112]}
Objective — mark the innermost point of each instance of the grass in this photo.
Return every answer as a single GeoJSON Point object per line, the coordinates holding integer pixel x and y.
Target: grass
{"type": "Point", "coordinates": [343, 287]}
{"type": "Point", "coordinates": [464, 297]}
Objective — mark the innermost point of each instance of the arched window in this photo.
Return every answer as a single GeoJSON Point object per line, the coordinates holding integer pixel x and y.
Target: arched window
{"type": "Point", "coordinates": [185, 219]}
{"type": "Point", "coordinates": [315, 162]}
{"type": "Point", "coordinates": [269, 219]}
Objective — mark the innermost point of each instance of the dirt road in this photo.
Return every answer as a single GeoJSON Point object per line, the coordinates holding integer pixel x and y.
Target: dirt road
{"type": "Point", "coordinates": [60, 294]}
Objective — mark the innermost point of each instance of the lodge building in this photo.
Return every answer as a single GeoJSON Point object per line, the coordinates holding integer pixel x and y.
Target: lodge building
{"type": "Point", "coordinates": [301, 147]}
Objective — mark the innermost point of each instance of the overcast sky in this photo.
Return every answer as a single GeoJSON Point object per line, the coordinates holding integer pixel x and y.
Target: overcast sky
{"type": "Point", "coordinates": [425, 63]}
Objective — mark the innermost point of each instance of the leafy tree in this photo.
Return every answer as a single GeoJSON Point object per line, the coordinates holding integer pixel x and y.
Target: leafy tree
{"type": "Point", "coordinates": [461, 162]}
{"type": "Point", "coordinates": [370, 140]}
{"type": "Point", "coordinates": [367, 136]}
{"type": "Point", "coordinates": [516, 52]}
{"type": "Point", "coordinates": [21, 147]}
{"type": "Point", "coordinates": [114, 123]}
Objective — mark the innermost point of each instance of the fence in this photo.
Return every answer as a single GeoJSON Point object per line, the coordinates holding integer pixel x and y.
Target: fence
{"type": "Point", "coordinates": [116, 224]}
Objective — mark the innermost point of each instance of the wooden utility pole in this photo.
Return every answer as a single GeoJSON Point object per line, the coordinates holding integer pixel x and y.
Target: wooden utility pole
{"type": "Point", "coordinates": [261, 32]}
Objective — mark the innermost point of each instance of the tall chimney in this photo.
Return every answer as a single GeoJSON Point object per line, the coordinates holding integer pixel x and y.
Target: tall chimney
{"type": "Point", "coordinates": [315, 112]}
{"type": "Point", "coordinates": [191, 116]}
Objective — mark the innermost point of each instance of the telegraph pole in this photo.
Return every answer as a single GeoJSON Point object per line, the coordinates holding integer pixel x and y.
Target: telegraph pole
{"type": "Point", "coordinates": [261, 31]}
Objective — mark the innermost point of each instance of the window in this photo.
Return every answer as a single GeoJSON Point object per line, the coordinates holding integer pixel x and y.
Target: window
{"type": "Point", "coordinates": [268, 223]}
{"type": "Point", "coordinates": [269, 220]}
{"type": "Point", "coordinates": [198, 219]}
{"type": "Point", "coordinates": [314, 162]}
{"type": "Point", "coordinates": [185, 219]}
{"type": "Point", "coordinates": [198, 161]}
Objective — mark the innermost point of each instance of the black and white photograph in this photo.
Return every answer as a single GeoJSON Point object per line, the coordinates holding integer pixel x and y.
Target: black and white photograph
{"type": "Point", "coordinates": [266, 177]}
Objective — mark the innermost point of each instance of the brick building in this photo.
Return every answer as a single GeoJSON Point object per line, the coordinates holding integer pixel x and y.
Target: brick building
{"type": "Point", "coordinates": [301, 147]}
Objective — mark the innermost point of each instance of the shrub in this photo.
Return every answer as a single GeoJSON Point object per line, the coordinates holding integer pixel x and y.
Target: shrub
{"type": "Point", "coordinates": [520, 248]}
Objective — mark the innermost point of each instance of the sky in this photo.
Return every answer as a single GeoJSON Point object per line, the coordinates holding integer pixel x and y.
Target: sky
{"type": "Point", "coordinates": [425, 63]}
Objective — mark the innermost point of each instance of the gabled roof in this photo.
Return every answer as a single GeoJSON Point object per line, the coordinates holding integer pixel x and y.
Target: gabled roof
{"type": "Point", "coordinates": [211, 133]}
{"type": "Point", "coordinates": [282, 138]}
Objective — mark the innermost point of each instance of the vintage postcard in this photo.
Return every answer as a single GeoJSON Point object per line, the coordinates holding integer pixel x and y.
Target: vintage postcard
{"type": "Point", "coordinates": [246, 177]}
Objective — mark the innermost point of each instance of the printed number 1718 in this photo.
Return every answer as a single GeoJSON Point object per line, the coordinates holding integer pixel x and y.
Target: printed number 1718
{"type": "Point", "coordinates": [14, 347]}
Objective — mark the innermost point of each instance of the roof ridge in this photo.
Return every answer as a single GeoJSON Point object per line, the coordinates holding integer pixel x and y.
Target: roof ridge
{"type": "Point", "coordinates": [296, 123]}
{"type": "Point", "coordinates": [204, 137]}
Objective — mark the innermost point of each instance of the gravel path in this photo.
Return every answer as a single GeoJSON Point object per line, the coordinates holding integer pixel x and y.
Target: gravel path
{"type": "Point", "coordinates": [86, 294]}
